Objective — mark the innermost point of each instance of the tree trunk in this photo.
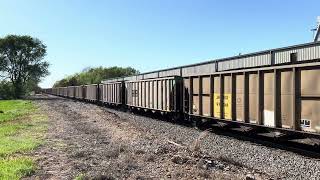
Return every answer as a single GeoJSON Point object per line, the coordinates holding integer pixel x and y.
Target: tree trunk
{"type": "Point", "coordinates": [18, 89]}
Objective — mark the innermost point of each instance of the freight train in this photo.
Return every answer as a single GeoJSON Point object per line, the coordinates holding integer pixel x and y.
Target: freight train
{"type": "Point", "coordinates": [276, 90]}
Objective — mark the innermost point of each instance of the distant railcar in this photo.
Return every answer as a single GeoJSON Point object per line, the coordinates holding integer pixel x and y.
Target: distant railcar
{"type": "Point", "coordinates": [79, 92]}
{"type": "Point", "coordinates": [112, 93]}
{"type": "Point", "coordinates": [62, 91]}
{"type": "Point", "coordinates": [91, 92]}
{"type": "Point", "coordinates": [158, 94]}
{"type": "Point", "coordinates": [71, 91]}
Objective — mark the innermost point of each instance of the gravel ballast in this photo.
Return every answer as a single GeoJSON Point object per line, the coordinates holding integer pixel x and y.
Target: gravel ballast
{"type": "Point", "coordinates": [102, 143]}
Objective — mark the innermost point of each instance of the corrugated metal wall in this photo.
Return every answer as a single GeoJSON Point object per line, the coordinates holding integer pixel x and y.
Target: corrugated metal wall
{"type": "Point", "coordinates": [303, 54]}
{"type": "Point", "coordinates": [310, 53]}
{"type": "Point", "coordinates": [283, 56]}
{"type": "Point", "coordinates": [150, 75]}
{"type": "Point", "coordinates": [172, 72]}
{"type": "Point", "coordinates": [130, 78]}
{"type": "Point", "coordinates": [199, 69]}
{"type": "Point", "coordinates": [139, 77]}
{"type": "Point", "coordinates": [245, 62]}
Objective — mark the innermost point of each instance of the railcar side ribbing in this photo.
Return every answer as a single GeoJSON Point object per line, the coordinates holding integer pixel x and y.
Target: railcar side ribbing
{"type": "Point", "coordinates": [276, 89]}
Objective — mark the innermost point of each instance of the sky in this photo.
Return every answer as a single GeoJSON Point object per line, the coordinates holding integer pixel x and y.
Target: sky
{"type": "Point", "coordinates": [154, 34]}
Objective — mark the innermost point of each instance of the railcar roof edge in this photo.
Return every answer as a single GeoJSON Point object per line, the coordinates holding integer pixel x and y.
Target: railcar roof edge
{"type": "Point", "coordinates": [228, 58]}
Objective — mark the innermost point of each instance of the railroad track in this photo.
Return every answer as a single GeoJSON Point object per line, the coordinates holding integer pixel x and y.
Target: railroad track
{"type": "Point", "coordinates": [307, 150]}
{"type": "Point", "coordinates": [308, 147]}
{"type": "Point", "coordinates": [286, 143]}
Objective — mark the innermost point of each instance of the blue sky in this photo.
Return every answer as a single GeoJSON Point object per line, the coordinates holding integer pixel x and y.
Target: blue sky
{"type": "Point", "coordinates": [154, 34]}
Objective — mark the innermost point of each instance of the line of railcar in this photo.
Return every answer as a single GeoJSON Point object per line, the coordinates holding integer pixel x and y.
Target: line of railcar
{"type": "Point", "coordinates": [282, 96]}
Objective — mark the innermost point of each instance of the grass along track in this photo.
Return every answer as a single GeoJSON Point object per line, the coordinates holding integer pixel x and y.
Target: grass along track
{"type": "Point", "coordinates": [22, 129]}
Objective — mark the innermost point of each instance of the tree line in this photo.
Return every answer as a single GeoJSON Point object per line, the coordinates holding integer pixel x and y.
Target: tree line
{"type": "Point", "coordinates": [95, 75]}
{"type": "Point", "coordinates": [22, 65]}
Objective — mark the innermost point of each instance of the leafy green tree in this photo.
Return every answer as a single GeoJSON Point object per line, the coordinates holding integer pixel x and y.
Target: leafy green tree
{"type": "Point", "coordinates": [6, 90]}
{"type": "Point", "coordinates": [21, 62]}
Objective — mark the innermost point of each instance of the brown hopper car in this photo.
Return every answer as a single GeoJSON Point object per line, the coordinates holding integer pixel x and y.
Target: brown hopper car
{"type": "Point", "coordinates": [277, 89]}
{"type": "Point", "coordinates": [161, 94]}
{"type": "Point", "coordinates": [112, 93]}
{"type": "Point", "coordinates": [281, 97]}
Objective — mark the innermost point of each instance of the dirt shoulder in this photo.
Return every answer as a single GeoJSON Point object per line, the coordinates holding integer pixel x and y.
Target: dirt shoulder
{"type": "Point", "coordinates": [88, 140]}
